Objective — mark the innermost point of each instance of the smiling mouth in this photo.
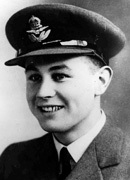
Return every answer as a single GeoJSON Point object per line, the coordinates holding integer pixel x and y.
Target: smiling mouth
{"type": "Point", "coordinates": [49, 109]}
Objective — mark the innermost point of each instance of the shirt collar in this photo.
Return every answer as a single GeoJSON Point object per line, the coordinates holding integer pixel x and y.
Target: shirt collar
{"type": "Point", "coordinates": [78, 147]}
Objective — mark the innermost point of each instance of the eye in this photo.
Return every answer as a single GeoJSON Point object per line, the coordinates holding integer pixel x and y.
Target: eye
{"type": "Point", "coordinates": [59, 77]}
{"type": "Point", "coordinates": [34, 78]}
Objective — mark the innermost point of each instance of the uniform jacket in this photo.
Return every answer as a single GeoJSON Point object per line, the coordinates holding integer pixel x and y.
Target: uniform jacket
{"type": "Point", "coordinates": [107, 158]}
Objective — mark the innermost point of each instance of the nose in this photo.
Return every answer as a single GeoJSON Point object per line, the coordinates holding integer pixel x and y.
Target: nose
{"type": "Point", "coordinates": [46, 89]}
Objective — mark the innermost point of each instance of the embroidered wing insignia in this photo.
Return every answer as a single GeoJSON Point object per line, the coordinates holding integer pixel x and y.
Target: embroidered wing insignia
{"type": "Point", "coordinates": [37, 33]}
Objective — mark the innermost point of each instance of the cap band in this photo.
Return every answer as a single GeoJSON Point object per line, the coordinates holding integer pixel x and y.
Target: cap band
{"type": "Point", "coordinates": [59, 43]}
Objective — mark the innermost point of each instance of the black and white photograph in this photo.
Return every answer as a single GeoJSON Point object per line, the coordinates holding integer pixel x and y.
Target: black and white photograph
{"type": "Point", "coordinates": [65, 90]}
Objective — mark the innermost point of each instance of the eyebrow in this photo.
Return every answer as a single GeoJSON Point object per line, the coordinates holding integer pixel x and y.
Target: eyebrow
{"type": "Point", "coordinates": [59, 67]}
{"type": "Point", "coordinates": [31, 68]}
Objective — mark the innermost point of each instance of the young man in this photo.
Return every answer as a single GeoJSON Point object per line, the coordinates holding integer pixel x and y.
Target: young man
{"type": "Point", "coordinates": [65, 51]}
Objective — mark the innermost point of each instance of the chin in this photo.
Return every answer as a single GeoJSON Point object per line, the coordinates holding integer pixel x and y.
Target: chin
{"type": "Point", "coordinates": [53, 128]}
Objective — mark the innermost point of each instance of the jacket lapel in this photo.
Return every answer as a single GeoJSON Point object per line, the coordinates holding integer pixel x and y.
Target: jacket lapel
{"type": "Point", "coordinates": [105, 151]}
{"type": "Point", "coordinates": [87, 167]}
{"type": "Point", "coordinates": [109, 144]}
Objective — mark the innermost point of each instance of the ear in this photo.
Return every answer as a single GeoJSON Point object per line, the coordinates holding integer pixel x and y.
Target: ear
{"type": "Point", "coordinates": [102, 80]}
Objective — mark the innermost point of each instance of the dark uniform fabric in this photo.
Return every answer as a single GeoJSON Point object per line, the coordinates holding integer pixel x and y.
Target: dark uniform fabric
{"type": "Point", "coordinates": [107, 158]}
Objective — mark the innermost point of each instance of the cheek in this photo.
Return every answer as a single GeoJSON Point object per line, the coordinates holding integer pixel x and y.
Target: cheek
{"type": "Point", "coordinates": [30, 93]}
{"type": "Point", "coordinates": [79, 93]}
{"type": "Point", "coordinates": [85, 95]}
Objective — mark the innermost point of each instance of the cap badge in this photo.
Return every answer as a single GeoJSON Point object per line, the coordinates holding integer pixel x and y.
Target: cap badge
{"type": "Point", "coordinates": [37, 33]}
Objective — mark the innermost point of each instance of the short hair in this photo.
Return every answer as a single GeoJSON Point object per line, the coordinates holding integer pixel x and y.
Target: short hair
{"type": "Point", "coordinates": [97, 61]}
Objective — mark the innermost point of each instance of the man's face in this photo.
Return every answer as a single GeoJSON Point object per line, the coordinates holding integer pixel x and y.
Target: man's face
{"type": "Point", "coordinates": [61, 94]}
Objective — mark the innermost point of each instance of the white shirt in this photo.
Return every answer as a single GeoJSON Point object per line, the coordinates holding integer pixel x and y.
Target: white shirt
{"type": "Point", "coordinates": [78, 147]}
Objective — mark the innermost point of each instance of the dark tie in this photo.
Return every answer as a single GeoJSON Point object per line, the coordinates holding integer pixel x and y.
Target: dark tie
{"type": "Point", "coordinates": [65, 166]}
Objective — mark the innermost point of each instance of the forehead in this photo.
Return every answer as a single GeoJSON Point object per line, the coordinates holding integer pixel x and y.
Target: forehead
{"type": "Point", "coordinates": [63, 61]}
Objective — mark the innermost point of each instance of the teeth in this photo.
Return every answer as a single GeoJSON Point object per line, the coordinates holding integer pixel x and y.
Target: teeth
{"type": "Point", "coordinates": [51, 109]}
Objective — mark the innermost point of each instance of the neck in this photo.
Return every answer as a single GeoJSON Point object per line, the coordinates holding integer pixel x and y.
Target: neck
{"type": "Point", "coordinates": [79, 130]}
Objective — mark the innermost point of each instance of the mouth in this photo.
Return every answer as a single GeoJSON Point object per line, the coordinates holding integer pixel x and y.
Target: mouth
{"type": "Point", "coordinates": [50, 109]}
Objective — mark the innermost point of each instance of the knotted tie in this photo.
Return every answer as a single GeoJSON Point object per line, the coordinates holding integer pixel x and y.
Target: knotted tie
{"type": "Point", "coordinates": [64, 163]}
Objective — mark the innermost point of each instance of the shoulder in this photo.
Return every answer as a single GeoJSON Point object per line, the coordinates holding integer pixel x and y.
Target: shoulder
{"type": "Point", "coordinates": [113, 150]}
{"type": "Point", "coordinates": [112, 141]}
{"type": "Point", "coordinates": [29, 143]}
{"type": "Point", "coordinates": [26, 148]}
{"type": "Point", "coordinates": [21, 159]}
